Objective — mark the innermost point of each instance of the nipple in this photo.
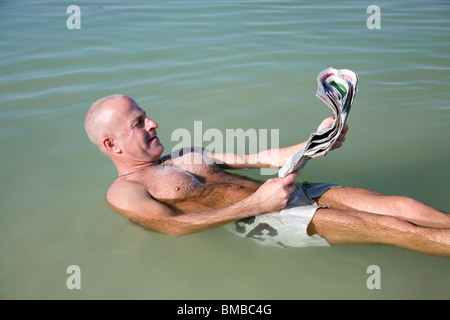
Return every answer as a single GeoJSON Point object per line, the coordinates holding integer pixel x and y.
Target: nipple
{"type": "Point", "coordinates": [177, 189]}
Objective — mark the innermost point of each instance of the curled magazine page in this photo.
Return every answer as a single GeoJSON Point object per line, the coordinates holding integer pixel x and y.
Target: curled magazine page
{"type": "Point", "coordinates": [337, 89]}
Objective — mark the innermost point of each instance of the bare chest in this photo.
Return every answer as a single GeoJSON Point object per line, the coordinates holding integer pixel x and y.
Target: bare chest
{"type": "Point", "coordinates": [170, 183]}
{"type": "Point", "coordinates": [188, 184]}
{"type": "Point", "coordinates": [181, 178]}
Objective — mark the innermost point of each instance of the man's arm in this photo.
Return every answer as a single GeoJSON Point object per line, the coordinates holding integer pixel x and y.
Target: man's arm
{"type": "Point", "coordinates": [132, 201]}
{"type": "Point", "coordinates": [275, 157]}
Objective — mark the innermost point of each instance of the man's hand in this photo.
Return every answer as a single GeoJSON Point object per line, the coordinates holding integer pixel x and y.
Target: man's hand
{"type": "Point", "coordinates": [274, 194]}
{"type": "Point", "coordinates": [340, 140]}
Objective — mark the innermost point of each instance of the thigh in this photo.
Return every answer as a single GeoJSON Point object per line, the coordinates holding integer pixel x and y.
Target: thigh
{"type": "Point", "coordinates": [357, 199]}
{"type": "Point", "coordinates": [344, 226]}
{"type": "Point", "coordinates": [347, 198]}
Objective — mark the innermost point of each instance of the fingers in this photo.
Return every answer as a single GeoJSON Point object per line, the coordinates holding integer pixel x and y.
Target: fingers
{"type": "Point", "coordinates": [338, 143]}
{"type": "Point", "coordinates": [325, 123]}
{"type": "Point", "coordinates": [274, 193]}
{"type": "Point", "coordinates": [345, 129]}
{"type": "Point", "coordinates": [291, 177]}
{"type": "Point", "coordinates": [328, 121]}
{"type": "Point", "coordinates": [340, 140]}
{"type": "Point", "coordinates": [289, 181]}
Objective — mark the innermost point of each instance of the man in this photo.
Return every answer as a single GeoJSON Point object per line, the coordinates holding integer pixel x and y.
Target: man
{"type": "Point", "coordinates": [190, 192]}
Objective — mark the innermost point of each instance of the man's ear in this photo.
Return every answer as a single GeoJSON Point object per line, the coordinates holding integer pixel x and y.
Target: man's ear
{"type": "Point", "coordinates": [111, 145]}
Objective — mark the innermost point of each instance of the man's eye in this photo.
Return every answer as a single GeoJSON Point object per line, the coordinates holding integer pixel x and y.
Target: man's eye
{"type": "Point", "coordinates": [139, 123]}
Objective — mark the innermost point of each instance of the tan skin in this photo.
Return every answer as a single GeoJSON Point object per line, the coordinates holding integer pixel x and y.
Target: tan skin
{"type": "Point", "coordinates": [190, 192]}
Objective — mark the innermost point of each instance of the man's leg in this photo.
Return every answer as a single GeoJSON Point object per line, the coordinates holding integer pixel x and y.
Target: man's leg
{"type": "Point", "coordinates": [356, 199]}
{"type": "Point", "coordinates": [345, 226]}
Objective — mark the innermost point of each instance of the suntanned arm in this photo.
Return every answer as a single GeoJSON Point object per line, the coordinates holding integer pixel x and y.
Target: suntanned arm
{"type": "Point", "coordinates": [275, 157]}
{"type": "Point", "coordinates": [131, 200]}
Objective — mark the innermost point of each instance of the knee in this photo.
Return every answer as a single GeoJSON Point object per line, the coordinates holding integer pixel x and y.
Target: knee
{"type": "Point", "coordinates": [408, 205]}
{"type": "Point", "coordinates": [397, 225]}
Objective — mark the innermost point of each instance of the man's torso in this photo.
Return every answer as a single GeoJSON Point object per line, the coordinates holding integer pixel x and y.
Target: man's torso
{"type": "Point", "coordinates": [192, 183]}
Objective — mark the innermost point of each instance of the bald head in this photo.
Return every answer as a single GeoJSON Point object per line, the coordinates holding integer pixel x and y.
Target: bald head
{"type": "Point", "coordinates": [100, 118]}
{"type": "Point", "coordinates": [122, 131]}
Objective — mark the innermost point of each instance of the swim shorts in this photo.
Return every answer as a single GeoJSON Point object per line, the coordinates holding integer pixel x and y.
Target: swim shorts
{"type": "Point", "coordinates": [287, 228]}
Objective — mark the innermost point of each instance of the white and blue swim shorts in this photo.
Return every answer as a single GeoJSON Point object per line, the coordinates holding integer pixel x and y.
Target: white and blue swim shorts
{"type": "Point", "coordinates": [287, 228]}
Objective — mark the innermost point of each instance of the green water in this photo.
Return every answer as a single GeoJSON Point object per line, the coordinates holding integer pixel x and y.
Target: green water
{"type": "Point", "coordinates": [230, 64]}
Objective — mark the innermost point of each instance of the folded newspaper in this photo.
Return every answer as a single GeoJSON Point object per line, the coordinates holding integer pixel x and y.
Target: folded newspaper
{"type": "Point", "coordinates": [337, 88]}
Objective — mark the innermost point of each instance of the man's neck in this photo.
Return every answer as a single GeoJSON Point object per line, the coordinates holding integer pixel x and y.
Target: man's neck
{"type": "Point", "coordinates": [126, 169]}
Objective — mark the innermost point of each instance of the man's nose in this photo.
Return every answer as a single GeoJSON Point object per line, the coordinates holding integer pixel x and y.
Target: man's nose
{"type": "Point", "coordinates": [150, 124]}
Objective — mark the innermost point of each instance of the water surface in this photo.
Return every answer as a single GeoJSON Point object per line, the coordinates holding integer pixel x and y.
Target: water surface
{"type": "Point", "coordinates": [230, 64]}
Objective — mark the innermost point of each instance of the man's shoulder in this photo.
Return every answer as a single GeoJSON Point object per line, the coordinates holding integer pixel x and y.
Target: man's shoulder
{"type": "Point", "coordinates": [121, 190]}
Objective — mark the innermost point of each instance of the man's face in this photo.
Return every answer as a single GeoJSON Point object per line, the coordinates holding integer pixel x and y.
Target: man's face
{"type": "Point", "coordinates": [135, 132]}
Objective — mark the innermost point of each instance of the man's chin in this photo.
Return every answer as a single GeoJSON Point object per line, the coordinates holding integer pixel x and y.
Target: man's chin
{"type": "Point", "coordinates": [157, 146]}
